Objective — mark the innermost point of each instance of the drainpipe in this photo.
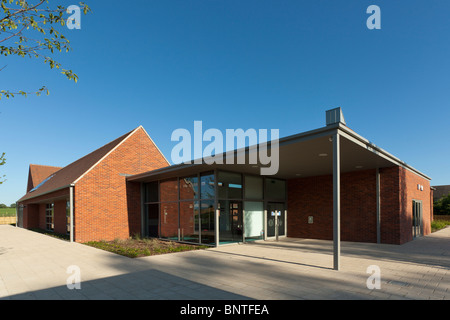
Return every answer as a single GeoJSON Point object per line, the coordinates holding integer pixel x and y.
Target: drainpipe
{"type": "Point", "coordinates": [71, 211]}
{"type": "Point", "coordinates": [17, 217]}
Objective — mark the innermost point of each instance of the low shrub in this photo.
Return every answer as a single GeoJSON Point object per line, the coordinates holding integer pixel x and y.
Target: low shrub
{"type": "Point", "coordinates": [134, 248]}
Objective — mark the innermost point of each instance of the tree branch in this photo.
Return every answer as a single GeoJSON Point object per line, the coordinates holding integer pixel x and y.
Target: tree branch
{"type": "Point", "coordinates": [13, 35]}
{"type": "Point", "coordinates": [21, 11]}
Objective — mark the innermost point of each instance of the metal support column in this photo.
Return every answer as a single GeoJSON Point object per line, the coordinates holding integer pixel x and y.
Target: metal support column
{"type": "Point", "coordinates": [243, 226]}
{"type": "Point", "coordinates": [276, 225]}
{"type": "Point", "coordinates": [216, 225]}
{"type": "Point", "coordinates": [216, 206]}
{"type": "Point", "coordinates": [285, 222]}
{"type": "Point", "coordinates": [265, 225]}
{"type": "Point", "coordinates": [71, 212]}
{"type": "Point", "coordinates": [336, 201]}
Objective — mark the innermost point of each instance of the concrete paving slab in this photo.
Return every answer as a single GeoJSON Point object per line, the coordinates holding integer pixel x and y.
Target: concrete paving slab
{"type": "Point", "coordinates": [35, 266]}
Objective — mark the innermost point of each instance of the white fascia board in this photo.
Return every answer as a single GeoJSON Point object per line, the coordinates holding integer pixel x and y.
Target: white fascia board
{"type": "Point", "coordinates": [363, 142]}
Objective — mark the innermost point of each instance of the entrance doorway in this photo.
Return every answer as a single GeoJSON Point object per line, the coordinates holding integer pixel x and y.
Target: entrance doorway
{"type": "Point", "coordinates": [275, 219]}
{"type": "Point", "coordinates": [417, 226]}
{"type": "Point", "coordinates": [230, 221]}
{"type": "Point", "coordinates": [152, 220]}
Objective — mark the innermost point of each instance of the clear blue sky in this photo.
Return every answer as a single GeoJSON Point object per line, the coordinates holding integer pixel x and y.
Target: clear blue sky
{"type": "Point", "coordinates": [235, 64]}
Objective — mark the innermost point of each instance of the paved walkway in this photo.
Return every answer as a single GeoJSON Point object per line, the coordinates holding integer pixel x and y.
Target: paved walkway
{"type": "Point", "coordinates": [34, 266]}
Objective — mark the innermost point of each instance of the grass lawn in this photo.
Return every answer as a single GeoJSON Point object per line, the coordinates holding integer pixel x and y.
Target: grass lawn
{"type": "Point", "coordinates": [440, 222]}
{"type": "Point", "coordinates": [7, 212]}
{"type": "Point", "coordinates": [134, 248]}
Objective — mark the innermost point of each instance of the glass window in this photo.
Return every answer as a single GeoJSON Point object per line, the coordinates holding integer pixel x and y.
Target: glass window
{"type": "Point", "coordinates": [49, 217]}
{"type": "Point", "coordinates": [207, 225]}
{"type": "Point", "coordinates": [225, 234]}
{"type": "Point", "coordinates": [230, 221]}
{"type": "Point", "coordinates": [169, 190]}
{"type": "Point", "coordinates": [40, 184]}
{"type": "Point", "coordinates": [275, 189]}
{"type": "Point", "coordinates": [253, 187]}
{"type": "Point", "coordinates": [230, 185]}
{"type": "Point", "coordinates": [152, 211]}
{"type": "Point", "coordinates": [207, 190]}
{"type": "Point", "coordinates": [189, 230]}
{"type": "Point", "coordinates": [68, 216]}
{"type": "Point", "coordinates": [189, 188]}
{"type": "Point", "coordinates": [169, 220]}
{"type": "Point", "coordinates": [253, 220]}
{"type": "Point", "coordinates": [151, 192]}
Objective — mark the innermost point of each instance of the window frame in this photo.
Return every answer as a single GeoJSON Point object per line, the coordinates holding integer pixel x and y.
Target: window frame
{"type": "Point", "coordinates": [50, 216]}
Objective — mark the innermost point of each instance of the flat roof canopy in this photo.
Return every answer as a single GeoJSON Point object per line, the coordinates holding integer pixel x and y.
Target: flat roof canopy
{"type": "Point", "coordinates": [302, 155]}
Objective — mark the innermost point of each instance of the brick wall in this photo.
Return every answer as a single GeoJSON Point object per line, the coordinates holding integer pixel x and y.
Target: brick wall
{"type": "Point", "coordinates": [390, 205]}
{"type": "Point", "coordinates": [398, 190]}
{"type": "Point", "coordinates": [313, 196]}
{"type": "Point", "coordinates": [42, 224]}
{"type": "Point", "coordinates": [31, 216]}
{"type": "Point", "coordinates": [410, 192]}
{"type": "Point", "coordinates": [59, 216]}
{"type": "Point", "coordinates": [106, 207]}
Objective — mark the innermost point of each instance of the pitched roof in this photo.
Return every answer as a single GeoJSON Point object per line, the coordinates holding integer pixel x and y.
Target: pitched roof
{"type": "Point", "coordinates": [38, 173]}
{"type": "Point", "coordinates": [67, 175]}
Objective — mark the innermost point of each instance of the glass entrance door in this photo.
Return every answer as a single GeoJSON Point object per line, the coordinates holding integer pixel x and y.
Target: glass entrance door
{"type": "Point", "coordinates": [417, 219]}
{"type": "Point", "coordinates": [236, 220]}
{"type": "Point", "coordinates": [253, 220]}
{"type": "Point", "coordinates": [275, 219]}
{"type": "Point", "coordinates": [230, 221]}
{"type": "Point", "coordinates": [152, 220]}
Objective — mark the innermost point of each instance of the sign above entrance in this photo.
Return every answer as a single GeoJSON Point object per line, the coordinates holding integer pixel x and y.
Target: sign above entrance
{"type": "Point", "coordinates": [273, 213]}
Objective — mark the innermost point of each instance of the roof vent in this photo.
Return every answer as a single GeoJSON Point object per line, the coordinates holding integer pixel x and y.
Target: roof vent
{"type": "Point", "coordinates": [335, 116]}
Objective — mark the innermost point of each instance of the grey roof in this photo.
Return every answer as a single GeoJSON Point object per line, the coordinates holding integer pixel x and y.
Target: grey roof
{"type": "Point", "coordinates": [298, 156]}
{"type": "Point", "coordinates": [67, 175]}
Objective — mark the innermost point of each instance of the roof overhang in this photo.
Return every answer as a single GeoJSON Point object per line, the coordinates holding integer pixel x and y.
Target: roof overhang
{"type": "Point", "coordinates": [302, 155]}
{"type": "Point", "coordinates": [47, 194]}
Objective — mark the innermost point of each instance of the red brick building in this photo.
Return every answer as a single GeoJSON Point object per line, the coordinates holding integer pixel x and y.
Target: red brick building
{"type": "Point", "coordinates": [331, 184]}
{"type": "Point", "coordinates": [94, 189]}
